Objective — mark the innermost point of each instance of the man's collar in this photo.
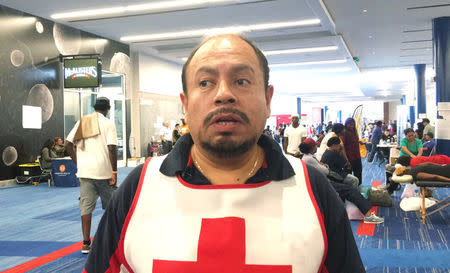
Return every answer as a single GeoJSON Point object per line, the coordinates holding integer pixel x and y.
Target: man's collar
{"type": "Point", "coordinates": [278, 167]}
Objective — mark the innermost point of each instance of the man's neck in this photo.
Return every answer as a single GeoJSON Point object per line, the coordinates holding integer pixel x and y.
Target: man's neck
{"type": "Point", "coordinates": [220, 171]}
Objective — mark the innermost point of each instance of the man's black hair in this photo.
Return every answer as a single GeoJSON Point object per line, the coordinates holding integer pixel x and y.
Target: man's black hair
{"type": "Point", "coordinates": [408, 130]}
{"type": "Point", "coordinates": [430, 134]}
{"type": "Point", "coordinates": [404, 161]}
{"type": "Point", "coordinates": [305, 148]}
{"type": "Point", "coordinates": [332, 141]}
{"type": "Point", "coordinates": [102, 104]}
{"type": "Point", "coordinates": [261, 58]}
{"type": "Point", "coordinates": [379, 123]}
{"type": "Point", "coordinates": [337, 128]}
{"type": "Point", "coordinates": [426, 120]}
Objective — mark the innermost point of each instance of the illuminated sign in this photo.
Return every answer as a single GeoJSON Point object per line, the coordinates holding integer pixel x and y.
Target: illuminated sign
{"type": "Point", "coordinates": [81, 73]}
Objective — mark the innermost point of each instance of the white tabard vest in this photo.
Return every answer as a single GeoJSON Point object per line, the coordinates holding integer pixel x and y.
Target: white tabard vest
{"type": "Point", "coordinates": [269, 227]}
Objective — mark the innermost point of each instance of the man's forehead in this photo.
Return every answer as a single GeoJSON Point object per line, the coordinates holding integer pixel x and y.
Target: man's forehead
{"type": "Point", "coordinates": [226, 44]}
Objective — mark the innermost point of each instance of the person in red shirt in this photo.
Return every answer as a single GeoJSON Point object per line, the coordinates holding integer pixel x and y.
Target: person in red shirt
{"type": "Point", "coordinates": [423, 160]}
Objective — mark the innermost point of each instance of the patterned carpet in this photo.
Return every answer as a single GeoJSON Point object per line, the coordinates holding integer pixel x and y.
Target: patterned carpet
{"type": "Point", "coordinates": [402, 243]}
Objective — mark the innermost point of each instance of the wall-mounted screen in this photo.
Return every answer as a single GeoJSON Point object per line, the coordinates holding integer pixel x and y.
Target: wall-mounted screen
{"type": "Point", "coordinates": [81, 73]}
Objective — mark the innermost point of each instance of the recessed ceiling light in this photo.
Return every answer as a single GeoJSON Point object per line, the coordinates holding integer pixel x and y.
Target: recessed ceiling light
{"type": "Point", "coordinates": [309, 63]}
{"type": "Point", "coordinates": [143, 8]}
{"type": "Point", "coordinates": [220, 30]}
{"type": "Point", "coordinates": [300, 50]}
{"type": "Point", "coordinates": [370, 36]}
{"type": "Point", "coordinates": [364, 10]}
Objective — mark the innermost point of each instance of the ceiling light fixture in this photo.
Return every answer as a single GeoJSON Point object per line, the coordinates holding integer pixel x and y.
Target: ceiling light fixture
{"type": "Point", "coordinates": [143, 8]}
{"type": "Point", "coordinates": [219, 30]}
{"type": "Point", "coordinates": [309, 63]}
{"type": "Point", "coordinates": [300, 50]}
{"type": "Point", "coordinates": [330, 70]}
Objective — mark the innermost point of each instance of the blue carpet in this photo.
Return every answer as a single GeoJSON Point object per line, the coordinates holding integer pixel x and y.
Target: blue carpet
{"type": "Point", "coordinates": [403, 243]}
{"type": "Point", "coordinates": [37, 220]}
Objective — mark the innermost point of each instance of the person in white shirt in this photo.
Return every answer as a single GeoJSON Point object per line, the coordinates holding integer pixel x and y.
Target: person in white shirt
{"type": "Point", "coordinates": [96, 143]}
{"type": "Point", "coordinates": [166, 135]}
{"type": "Point", "coordinates": [293, 136]}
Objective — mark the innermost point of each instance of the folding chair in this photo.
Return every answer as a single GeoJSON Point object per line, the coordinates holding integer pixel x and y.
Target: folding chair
{"type": "Point", "coordinates": [45, 173]}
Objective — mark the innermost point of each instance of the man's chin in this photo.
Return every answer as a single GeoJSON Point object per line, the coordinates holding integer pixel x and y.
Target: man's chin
{"type": "Point", "coordinates": [225, 147]}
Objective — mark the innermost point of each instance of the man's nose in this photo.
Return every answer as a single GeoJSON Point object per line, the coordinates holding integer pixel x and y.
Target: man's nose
{"type": "Point", "coordinates": [224, 94]}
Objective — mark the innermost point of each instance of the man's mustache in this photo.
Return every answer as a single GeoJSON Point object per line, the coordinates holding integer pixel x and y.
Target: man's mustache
{"type": "Point", "coordinates": [225, 110]}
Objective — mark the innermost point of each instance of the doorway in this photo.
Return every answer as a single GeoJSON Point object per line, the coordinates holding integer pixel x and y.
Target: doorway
{"type": "Point", "coordinates": [80, 101]}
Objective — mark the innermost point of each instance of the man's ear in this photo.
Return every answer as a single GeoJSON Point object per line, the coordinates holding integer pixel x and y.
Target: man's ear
{"type": "Point", "coordinates": [269, 94]}
{"type": "Point", "coordinates": [184, 102]}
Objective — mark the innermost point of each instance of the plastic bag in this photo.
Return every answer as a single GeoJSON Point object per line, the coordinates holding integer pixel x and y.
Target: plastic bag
{"type": "Point", "coordinates": [413, 203]}
{"type": "Point", "coordinates": [353, 212]}
{"type": "Point", "coordinates": [410, 191]}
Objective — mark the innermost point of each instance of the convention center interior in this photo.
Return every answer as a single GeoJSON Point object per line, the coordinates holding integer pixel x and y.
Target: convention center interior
{"type": "Point", "coordinates": [225, 136]}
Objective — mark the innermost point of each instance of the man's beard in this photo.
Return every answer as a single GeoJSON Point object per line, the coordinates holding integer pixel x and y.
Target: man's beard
{"type": "Point", "coordinates": [228, 148]}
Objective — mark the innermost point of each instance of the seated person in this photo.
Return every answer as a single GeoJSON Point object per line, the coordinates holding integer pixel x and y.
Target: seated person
{"type": "Point", "coordinates": [47, 153]}
{"type": "Point", "coordinates": [428, 144]}
{"type": "Point", "coordinates": [426, 172]}
{"type": "Point", "coordinates": [347, 192]}
{"type": "Point", "coordinates": [423, 160]}
{"type": "Point", "coordinates": [336, 162]}
{"type": "Point", "coordinates": [410, 145]}
{"type": "Point", "coordinates": [59, 149]}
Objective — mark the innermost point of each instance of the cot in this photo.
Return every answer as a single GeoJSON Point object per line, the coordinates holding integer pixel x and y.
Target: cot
{"type": "Point", "coordinates": [408, 179]}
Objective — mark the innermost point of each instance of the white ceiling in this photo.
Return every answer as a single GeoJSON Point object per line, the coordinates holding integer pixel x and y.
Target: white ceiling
{"type": "Point", "coordinates": [382, 34]}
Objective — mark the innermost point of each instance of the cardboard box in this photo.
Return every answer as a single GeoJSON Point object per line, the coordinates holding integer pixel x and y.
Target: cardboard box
{"type": "Point", "coordinates": [135, 161]}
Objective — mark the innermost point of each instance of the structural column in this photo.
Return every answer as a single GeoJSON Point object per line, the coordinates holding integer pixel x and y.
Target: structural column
{"type": "Point", "coordinates": [299, 107]}
{"type": "Point", "coordinates": [441, 46]}
{"type": "Point", "coordinates": [420, 89]}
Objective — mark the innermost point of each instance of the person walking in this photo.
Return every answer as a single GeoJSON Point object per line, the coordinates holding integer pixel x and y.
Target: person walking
{"type": "Point", "coordinates": [166, 138]}
{"type": "Point", "coordinates": [293, 136]}
{"type": "Point", "coordinates": [96, 143]}
{"type": "Point", "coordinates": [375, 140]}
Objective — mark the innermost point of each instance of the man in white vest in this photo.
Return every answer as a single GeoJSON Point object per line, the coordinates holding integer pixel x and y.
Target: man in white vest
{"type": "Point", "coordinates": [225, 199]}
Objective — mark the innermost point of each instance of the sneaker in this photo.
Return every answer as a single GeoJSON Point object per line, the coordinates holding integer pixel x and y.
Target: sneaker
{"type": "Point", "coordinates": [373, 219]}
{"type": "Point", "coordinates": [85, 249]}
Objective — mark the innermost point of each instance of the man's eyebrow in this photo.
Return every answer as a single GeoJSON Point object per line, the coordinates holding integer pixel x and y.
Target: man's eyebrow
{"type": "Point", "coordinates": [207, 70]}
{"type": "Point", "coordinates": [242, 68]}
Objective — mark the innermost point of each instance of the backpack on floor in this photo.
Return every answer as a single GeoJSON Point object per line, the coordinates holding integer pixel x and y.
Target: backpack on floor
{"type": "Point", "coordinates": [379, 197]}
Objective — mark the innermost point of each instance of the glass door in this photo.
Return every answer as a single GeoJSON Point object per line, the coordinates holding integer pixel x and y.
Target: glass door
{"type": "Point", "coordinates": [113, 88]}
{"type": "Point", "coordinates": [80, 102]}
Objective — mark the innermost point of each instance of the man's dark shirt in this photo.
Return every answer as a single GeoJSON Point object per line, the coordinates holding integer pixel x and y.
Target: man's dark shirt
{"type": "Point", "coordinates": [376, 135]}
{"type": "Point", "coordinates": [335, 161]}
{"type": "Point", "coordinates": [342, 253]}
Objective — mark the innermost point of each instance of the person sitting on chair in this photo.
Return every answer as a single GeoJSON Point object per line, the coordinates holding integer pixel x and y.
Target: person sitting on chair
{"type": "Point", "coordinates": [336, 162]}
{"type": "Point", "coordinates": [346, 191]}
{"type": "Point", "coordinates": [59, 149]}
{"type": "Point", "coordinates": [47, 153]}
{"type": "Point", "coordinates": [428, 144]}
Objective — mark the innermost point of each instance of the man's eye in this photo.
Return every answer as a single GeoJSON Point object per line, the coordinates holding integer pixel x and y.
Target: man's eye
{"type": "Point", "coordinates": [242, 81]}
{"type": "Point", "coordinates": [204, 83]}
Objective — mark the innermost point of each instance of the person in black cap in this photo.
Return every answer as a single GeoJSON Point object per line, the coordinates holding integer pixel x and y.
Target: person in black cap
{"type": "Point", "coordinates": [96, 143]}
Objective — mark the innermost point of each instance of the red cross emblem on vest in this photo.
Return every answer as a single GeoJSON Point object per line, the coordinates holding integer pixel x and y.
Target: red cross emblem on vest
{"type": "Point", "coordinates": [221, 249]}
